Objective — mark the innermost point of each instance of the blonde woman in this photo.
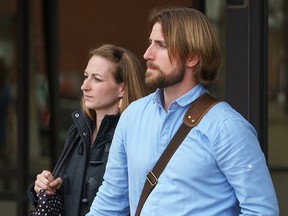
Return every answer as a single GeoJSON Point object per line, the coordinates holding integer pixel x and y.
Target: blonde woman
{"type": "Point", "coordinates": [112, 80]}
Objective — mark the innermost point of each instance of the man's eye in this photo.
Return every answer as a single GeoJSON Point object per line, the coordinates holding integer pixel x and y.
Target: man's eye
{"type": "Point", "coordinates": [162, 45]}
{"type": "Point", "coordinates": [97, 79]}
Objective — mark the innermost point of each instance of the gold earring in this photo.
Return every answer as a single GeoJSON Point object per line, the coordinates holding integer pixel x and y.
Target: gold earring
{"type": "Point", "coordinates": [120, 103]}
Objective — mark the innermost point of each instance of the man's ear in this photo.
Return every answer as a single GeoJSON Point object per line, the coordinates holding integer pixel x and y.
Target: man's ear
{"type": "Point", "coordinates": [192, 61]}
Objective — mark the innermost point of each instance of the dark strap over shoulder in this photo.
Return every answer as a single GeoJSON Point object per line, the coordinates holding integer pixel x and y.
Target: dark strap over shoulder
{"type": "Point", "coordinates": [69, 144]}
{"type": "Point", "coordinates": [198, 109]}
{"type": "Point", "coordinates": [191, 119]}
{"type": "Point", "coordinates": [64, 157]}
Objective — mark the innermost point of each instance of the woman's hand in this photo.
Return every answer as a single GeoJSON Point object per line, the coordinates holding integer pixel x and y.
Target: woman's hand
{"type": "Point", "coordinates": [46, 181]}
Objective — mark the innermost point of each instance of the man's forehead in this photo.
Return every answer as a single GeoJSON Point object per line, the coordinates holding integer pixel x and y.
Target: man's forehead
{"type": "Point", "coordinates": [156, 32]}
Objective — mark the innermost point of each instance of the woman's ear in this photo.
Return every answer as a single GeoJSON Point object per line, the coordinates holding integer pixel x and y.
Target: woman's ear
{"type": "Point", "coordinates": [192, 61]}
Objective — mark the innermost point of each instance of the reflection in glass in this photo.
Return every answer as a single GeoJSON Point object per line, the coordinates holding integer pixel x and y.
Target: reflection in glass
{"type": "Point", "coordinates": [7, 100]}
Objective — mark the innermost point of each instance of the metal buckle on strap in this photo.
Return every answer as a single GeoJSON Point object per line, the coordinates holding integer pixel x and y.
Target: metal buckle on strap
{"type": "Point", "coordinates": [151, 178]}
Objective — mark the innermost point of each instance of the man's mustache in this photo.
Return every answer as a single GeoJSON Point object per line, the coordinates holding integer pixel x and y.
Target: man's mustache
{"type": "Point", "coordinates": [151, 65]}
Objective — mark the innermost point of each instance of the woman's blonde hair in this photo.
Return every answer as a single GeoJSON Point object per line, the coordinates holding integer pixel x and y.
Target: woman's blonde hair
{"type": "Point", "coordinates": [126, 68]}
{"type": "Point", "coordinates": [188, 32]}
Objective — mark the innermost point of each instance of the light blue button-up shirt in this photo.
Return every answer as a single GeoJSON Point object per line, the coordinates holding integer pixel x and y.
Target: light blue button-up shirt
{"type": "Point", "coordinates": [219, 169]}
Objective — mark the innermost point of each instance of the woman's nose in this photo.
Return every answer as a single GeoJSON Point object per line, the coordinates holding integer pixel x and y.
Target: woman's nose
{"type": "Point", "coordinates": [85, 85]}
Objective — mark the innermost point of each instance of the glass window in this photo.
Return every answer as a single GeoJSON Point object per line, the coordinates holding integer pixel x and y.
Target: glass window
{"type": "Point", "coordinates": [215, 10]}
{"type": "Point", "coordinates": [7, 95]}
{"type": "Point", "coordinates": [8, 120]}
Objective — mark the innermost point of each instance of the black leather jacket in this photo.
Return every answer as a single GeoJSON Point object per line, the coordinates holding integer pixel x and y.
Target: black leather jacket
{"type": "Point", "coordinates": [83, 172]}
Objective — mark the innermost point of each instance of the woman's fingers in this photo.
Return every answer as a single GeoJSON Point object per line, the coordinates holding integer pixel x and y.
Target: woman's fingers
{"type": "Point", "coordinates": [56, 183]}
{"type": "Point", "coordinates": [43, 181]}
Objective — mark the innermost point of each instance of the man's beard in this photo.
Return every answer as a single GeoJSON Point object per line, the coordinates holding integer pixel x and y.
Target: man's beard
{"type": "Point", "coordinates": [162, 80]}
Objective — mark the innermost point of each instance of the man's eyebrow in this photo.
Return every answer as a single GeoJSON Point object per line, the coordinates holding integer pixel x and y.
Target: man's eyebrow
{"type": "Point", "coordinates": [160, 41]}
{"type": "Point", "coordinates": [157, 41]}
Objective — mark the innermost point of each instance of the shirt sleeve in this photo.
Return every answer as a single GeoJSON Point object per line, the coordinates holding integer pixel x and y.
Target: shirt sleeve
{"type": "Point", "coordinates": [242, 161]}
{"type": "Point", "coordinates": [112, 197]}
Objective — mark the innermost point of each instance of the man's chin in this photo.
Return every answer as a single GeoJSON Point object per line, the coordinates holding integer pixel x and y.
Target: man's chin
{"type": "Point", "coordinates": [151, 83]}
{"type": "Point", "coordinates": [149, 73]}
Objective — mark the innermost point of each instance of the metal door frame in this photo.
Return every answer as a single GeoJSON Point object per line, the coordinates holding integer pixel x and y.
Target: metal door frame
{"type": "Point", "coordinates": [246, 62]}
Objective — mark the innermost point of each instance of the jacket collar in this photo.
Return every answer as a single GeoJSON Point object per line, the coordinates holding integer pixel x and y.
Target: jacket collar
{"type": "Point", "coordinates": [86, 125]}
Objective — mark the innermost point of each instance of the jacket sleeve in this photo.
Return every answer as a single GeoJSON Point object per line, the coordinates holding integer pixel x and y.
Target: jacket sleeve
{"type": "Point", "coordinates": [32, 195]}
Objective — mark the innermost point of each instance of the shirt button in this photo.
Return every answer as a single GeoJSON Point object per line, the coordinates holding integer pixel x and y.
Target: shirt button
{"type": "Point", "coordinates": [77, 115]}
{"type": "Point", "coordinates": [85, 133]}
{"type": "Point", "coordinates": [250, 166]}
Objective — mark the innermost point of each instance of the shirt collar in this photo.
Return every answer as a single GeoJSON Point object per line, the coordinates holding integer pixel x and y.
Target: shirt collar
{"type": "Point", "coordinates": [185, 99]}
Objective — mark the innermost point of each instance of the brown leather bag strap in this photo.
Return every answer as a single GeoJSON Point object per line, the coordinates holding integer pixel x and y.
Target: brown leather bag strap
{"type": "Point", "coordinates": [191, 119]}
